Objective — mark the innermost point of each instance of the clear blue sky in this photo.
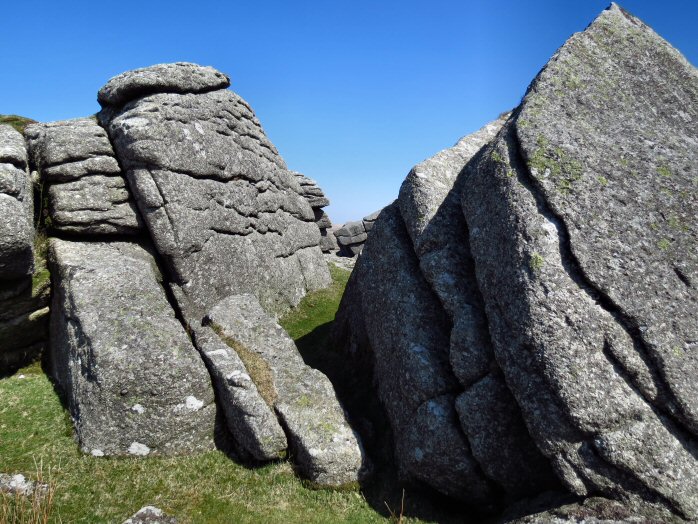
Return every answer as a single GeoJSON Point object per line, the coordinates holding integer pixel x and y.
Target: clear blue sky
{"type": "Point", "coordinates": [353, 93]}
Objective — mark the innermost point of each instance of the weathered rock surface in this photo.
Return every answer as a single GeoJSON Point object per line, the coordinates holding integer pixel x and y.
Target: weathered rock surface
{"type": "Point", "coordinates": [16, 207]}
{"type": "Point", "coordinates": [134, 382]}
{"type": "Point", "coordinates": [180, 77]}
{"type": "Point", "coordinates": [321, 441]}
{"type": "Point", "coordinates": [249, 416]}
{"type": "Point", "coordinates": [18, 484]}
{"type": "Point", "coordinates": [87, 194]}
{"type": "Point", "coordinates": [150, 515]}
{"type": "Point", "coordinates": [548, 280]}
{"type": "Point", "coordinates": [310, 190]}
{"type": "Point", "coordinates": [215, 194]}
{"type": "Point", "coordinates": [352, 235]}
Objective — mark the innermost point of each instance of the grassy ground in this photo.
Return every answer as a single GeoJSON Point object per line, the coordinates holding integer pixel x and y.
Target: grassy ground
{"type": "Point", "coordinates": [209, 487]}
{"type": "Point", "coordinates": [18, 122]}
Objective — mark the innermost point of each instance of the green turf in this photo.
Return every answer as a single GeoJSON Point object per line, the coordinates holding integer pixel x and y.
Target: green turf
{"type": "Point", "coordinates": [208, 487]}
{"type": "Point", "coordinates": [16, 121]}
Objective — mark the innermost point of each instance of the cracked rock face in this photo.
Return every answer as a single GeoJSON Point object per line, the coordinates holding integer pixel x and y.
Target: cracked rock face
{"type": "Point", "coordinates": [548, 280]}
{"type": "Point", "coordinates": [16, 207]}
{"type": "Point", "coordinates": [215, 195]}
{"type": "Point", "coordinates": [86, 191]}
{"type": "Point", "coordinates": [134, 382]}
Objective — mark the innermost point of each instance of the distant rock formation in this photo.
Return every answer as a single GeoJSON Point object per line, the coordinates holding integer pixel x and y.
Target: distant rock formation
{"type": "Point", "coordinates": [315, 196]}
{"type": "Point", "coordinates": [528, 304]}
{"type": "Point", "coordinates": [178, 234]}
{"type": "Point", "coordinates": [352, 236]}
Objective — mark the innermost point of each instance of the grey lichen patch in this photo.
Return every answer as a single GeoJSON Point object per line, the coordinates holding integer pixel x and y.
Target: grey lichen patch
{"type": "Point", "coordinates": [256, 367]}
{"type": "Point", "coordinates": [554, 163]}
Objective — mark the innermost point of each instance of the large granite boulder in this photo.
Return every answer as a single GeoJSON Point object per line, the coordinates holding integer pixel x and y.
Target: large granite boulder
{"type": "Point", "coordinates": [212, 189]}
{"type": "Point", "coordinates": [86, 192]}
{"type": "Point", "coordinates": [16, 207]}
{"type": "Point", "coordinates": [180, 77]}
{"type": "Point", "coordinates": [545, 285]}
{"type": "Point", "coordinates": [134, 382]}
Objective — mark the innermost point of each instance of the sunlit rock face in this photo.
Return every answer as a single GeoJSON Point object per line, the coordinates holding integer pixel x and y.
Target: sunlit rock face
{"type": "Point", "coordinates": [539, 302]}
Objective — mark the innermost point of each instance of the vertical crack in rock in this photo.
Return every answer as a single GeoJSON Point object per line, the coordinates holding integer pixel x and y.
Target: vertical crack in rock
{"type": "Point", "coordinates": [406, 337]}
{"type": "Point", "coordinates": [608, 129]}
{"type": "Point", "coordinates": [511, 227]}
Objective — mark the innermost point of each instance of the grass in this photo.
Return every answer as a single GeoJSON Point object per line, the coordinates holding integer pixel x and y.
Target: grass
{"type": "Point", "coordinates": [256, 367]}
{"type": "Point", "coordinates": [16, 121]}
{"type": "Point", "coordinates": [207, 487]}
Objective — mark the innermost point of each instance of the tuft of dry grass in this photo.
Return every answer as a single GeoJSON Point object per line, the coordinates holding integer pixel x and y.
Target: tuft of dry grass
{"type": "Point", "coordinates": [35, 507]}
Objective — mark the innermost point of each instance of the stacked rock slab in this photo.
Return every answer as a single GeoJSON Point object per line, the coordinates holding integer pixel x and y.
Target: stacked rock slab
{"type": "Point", "coordinates": [86, 192]}
{"type": "Point", "coordinates": [229, 221]}
{"type": "Point", "coordinates": [352, 235]}
{"type": "Point", "coordinates": [212, 189]}
{"type": "Point", "coordinates": [133, 381]}
{"type": "Point", "coordinates": [16, 207]}
{"type": "Point", "coordinates": [23, 299]}
{"type": "Point", "coordinates": [563, 256]}
{"type": "Point", "coordinates": [315, 196]}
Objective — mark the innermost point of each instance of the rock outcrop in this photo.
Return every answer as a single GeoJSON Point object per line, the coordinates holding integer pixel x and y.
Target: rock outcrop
{"type": "Point", "coordinates": [229, 220]}
{"type": "Point", "coordinates": [86, 191]}
{"type": "Point", "coordinates": [534, 320]}
{"type": "Point", "coordinates": [24, 284]}
{"type": "Point", "coordinates": [352, 236]}
{"type": "Point", "coordinates": [165, 211]}
{"type": "Point", "coordinates": [315, 196]}
{"type": "Point", "coordinates": [212, 189]}
{"type": "Point", "coordinates": [16, 207]}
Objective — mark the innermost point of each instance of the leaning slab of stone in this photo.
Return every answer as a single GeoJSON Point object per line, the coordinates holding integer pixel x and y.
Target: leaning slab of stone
{"type": "Point", "coordinates": [321, 442]}
{"type": "Point", "coordinates": [85, 190]}
{"type": "Point", "coordinates": [222, 208]}
{"type": "Point", "coordinates": [133, 381]}
{"type": "Point", "coordinates": [16, 207]}
{"type": "Point", "coordinates": [544, 286]}
{"type": "Point", "coordinates": [248, 408]}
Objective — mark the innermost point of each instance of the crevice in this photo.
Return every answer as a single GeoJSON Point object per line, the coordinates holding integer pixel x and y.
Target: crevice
{"type": "Point", "coordinates": [682, 277]}
{"type": "Point", "coordinates": [575, 272]}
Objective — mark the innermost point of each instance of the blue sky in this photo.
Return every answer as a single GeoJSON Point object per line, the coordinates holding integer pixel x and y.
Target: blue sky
{"type": "Point", "coordinates": [353, 93]}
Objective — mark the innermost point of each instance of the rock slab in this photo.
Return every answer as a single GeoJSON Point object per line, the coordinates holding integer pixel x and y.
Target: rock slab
{"type": "Point", "coordinates": [322, 443]}
{"type": "Point", "coordinates": [133, 381]}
